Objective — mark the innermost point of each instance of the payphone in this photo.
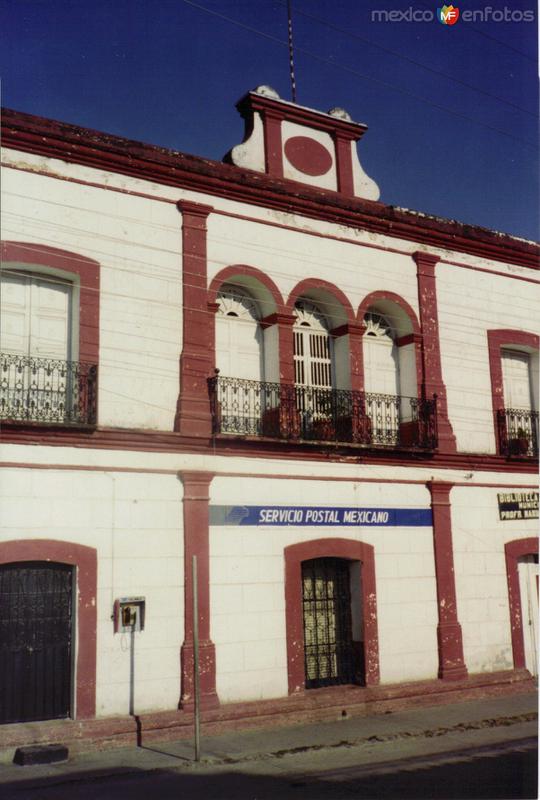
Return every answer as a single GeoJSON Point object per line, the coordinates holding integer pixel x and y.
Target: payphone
{"type": "Point", "coordinates": [128, 614]}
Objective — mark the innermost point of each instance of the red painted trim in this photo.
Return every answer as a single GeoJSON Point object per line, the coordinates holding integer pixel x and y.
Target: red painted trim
{"type": "Point", "coordinates": [344, 165]}
{"type": "Point", "coordinates": [349, 329]}
{"type": "Point", "coordinates": [264, 475]}
{"type": "Point", "coordinates": [513, 551]}
{"type": "Point", "coordinates": [196, 543]}
{"type": "Point", "coordinates": [160, 199]}
{"type": "Point", "coordinates": [328, 548]}
{"type": "Point", "coordinates": [510, 275]}
{"type": "Point", "coordinates": [497, 339]}
{"type": "Point", "coordinates": [27, 133]}
{"type": "Point", "coordinates": [227, 274]}
{"type": "Point", "coordinates": [277, 319]}
{"type": "Point", "coordinates": [299, 114]}
{"type": "Point", "coordinates": [449, 636]}
{"type": "Point", "coordinates": [410, 338]}
{"type": "Point", "coordinates": [88, 272]}
{"type": "Point", "coordinates": [431, 353]}
{"type": "Point", "coordinates": [273, 144]}
{"type": "Point", "coordinates": [308, 155]}
{"type": "Point", "coordinates": [197, 360]}
{"type": "Point", "coordinates": [145, 441]}
{"type": "Point", "coordinates": [85, 561]}
{"type": "Point", "coordinates": [373, 297]}
{"type": "Point", "coordinates": [305, 289]}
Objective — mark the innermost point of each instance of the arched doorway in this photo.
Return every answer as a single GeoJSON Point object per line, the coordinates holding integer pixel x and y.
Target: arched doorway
{"type": "Point", "coordinates": [528, 591]}
{"type": "Point", "coordinates": [521, 557]}
{"type": "Point", "coordinates": [36, 641]}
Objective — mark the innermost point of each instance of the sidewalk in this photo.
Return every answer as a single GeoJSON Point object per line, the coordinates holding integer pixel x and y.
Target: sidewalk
{"type": "Point", "coordinates": [373, 739]}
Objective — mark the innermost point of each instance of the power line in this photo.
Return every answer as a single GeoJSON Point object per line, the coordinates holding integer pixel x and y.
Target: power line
{"type": "Point", "coordinates": [479, 32]}
{"type": "Point", "coordinates": [356, 73]}
{"type": "Point", "coordinates": [413, 61]}
{"type": "Point", "coordinates": [445, 340]}
{"type": "Point", "coordinates": [172, 274]}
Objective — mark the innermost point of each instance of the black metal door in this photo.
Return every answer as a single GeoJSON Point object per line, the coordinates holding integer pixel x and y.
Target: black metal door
{"type": "Point", "coordinates": [35, 641]}
{"type": "Point", "coordinates": [329, 650]}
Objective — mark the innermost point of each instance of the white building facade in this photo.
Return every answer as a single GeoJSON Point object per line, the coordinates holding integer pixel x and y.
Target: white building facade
{"type": "Point", "coordinates": [330, 402]}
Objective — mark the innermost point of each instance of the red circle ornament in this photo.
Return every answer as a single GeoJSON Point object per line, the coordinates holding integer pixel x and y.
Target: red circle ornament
{"type": "Point", "coordinates": [308, 156]}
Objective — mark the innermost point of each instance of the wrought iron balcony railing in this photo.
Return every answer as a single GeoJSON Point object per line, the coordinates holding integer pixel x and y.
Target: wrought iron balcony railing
{"type": "Point", "coordinates": [255, 408]}
{"type": "Point", "coordinates": [47, 391]}
{"type": "Point", "coordinates": [518, 432]}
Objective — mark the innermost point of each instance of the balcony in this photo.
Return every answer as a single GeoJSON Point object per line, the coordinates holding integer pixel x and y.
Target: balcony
{"type": "Point", "coordinates": [518, 432]}
{"type": "Point", "coordinates": [47, 391]}
{"type": "Point", "coordinates": [272, 410]}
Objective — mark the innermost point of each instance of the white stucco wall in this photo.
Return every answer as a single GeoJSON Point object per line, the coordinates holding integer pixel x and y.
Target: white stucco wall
{"type": "Point", "coordinates": [133, 522]}
{"type": "Point", "coordinates": [138, 244]}
{"type": "Point", "coordinates": [137, 241]}
{"type": "Point", "coordinates": [247, 584]}
{"type": "Point", "coordinates": [479, 537]}
{"type": "Point", "coordinates": [469, 304]}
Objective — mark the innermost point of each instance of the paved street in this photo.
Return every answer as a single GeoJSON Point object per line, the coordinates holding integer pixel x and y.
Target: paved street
{"type": "Point", "coordinates": [506, 771]}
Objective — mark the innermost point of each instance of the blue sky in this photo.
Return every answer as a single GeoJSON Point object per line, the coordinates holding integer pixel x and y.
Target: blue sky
{"type": "Point", "coordinates": [452, 110]}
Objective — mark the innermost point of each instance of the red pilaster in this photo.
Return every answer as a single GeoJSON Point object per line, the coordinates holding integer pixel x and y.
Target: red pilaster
{"type": "Point", "coordinates": [356, 356]}
{"type": "Point", "coordinates": [196, 543]}
{"type": "Point", "coordinates": [273, 143]}
{"type": "Point", "coordinates": [344, 168]}
{"type": "Point", "coordinates": [451, 661]}
{"type": "Point", "coordinates": [355, 332]}
{"type": "Point", "coordinates": [196, 362]}
{"type": "Point", "coordinates": [431, 353]}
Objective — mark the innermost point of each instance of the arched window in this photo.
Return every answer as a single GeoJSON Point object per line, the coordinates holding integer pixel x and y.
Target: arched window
{"type": "Point", "coordinates": [313, 352]}
{"type": "Point", "coordinates": [382, 379]}
{"type": "Point", "coordinates": [381, 359]}
{"type": "Point", "coordinates": [239, 337]}
{"type": "Point", "coordinates": [314, 372]}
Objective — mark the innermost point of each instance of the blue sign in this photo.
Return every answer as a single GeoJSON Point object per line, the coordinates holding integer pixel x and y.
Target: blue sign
{"type": "Point", "coordinates": [319, 515]}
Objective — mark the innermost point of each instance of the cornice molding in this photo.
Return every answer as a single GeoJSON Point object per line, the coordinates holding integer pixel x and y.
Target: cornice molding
{"type": "Point", "coordinates": [90, 148]}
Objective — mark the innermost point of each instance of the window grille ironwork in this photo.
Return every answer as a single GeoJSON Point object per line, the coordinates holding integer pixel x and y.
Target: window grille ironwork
{"type": "Point", "coordinates": [329, 652]}
{"type": "Point", "coordinates": [518, 432]}
{"type": "Point", "coordinates": [48, 391]}
{"type": "Point", "coordinates": [309, 413]}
